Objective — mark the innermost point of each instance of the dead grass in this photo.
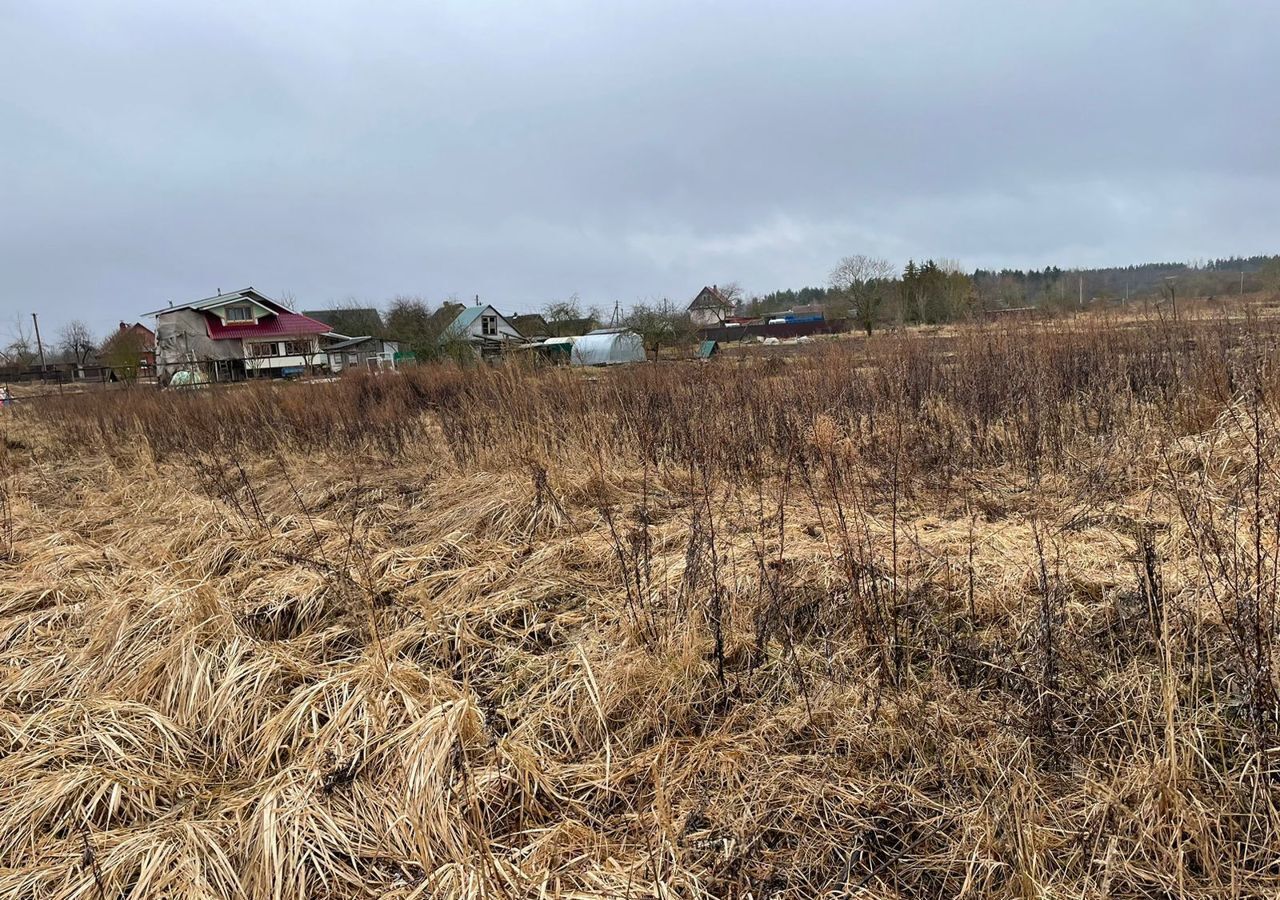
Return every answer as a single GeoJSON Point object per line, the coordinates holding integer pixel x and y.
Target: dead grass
{"type": "Point", "coordinates": [991, 617]}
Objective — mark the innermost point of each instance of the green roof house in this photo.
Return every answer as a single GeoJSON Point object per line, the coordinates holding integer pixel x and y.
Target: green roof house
{"type": "Point", "coordinates": [486, 330]}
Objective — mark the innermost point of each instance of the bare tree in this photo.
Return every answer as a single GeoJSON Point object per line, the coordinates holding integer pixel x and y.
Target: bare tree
{"type": "Point", "coordinates": [412, 322]}
{"type": "Point", "coordinates": [307, 346]}
{"type": "Point", "coordinates": [20, 349]}
{"type": "Point", "coordinates": [732, 291]}
{"type": "Point", "coordinates": [353, 318]}
{"type": "Point", "coordinates": [123, 352]}
{"type": "Point", "coordinates": [19, 352]}
{"type": "Point", "coordinates": [863, 280]}
{"type": "Point", "coordinates": [662, 323]}
{"type": "Point", "coordinates": [76, 342]}
{"type": "Point", "coordinates": [563, 310]}
{"type": "Point", "coordinates": [1169, 291]}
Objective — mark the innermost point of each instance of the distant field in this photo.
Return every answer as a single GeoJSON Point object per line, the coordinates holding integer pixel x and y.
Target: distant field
{"type": "Point", "coordinates": [986, 612]}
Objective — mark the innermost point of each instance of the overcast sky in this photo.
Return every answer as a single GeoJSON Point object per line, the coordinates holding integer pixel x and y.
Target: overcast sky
{"type": "Point", "coordinates": [525, 151]}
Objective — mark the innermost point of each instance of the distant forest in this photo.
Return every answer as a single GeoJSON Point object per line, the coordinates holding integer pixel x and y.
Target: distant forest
{"type": "Point", "coordinates": [1012, 287]}
{"type": "Point", "coordinates": [1053, 286]}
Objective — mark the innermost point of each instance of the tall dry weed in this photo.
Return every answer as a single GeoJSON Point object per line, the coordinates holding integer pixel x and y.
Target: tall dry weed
{"type": "Point", "coordinates": [990, 613]}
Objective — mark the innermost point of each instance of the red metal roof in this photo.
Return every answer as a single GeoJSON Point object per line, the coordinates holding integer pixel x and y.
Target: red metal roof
{"type": "Point", "coordinates": [285, 324]}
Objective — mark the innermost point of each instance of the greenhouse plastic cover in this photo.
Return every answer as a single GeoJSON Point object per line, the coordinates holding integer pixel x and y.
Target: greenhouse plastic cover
{"type": "Point", "coordinates": [607, 348]}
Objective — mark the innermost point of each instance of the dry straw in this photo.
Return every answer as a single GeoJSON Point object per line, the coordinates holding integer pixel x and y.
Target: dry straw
{"type": "Point", "coordinates": [987, 614]}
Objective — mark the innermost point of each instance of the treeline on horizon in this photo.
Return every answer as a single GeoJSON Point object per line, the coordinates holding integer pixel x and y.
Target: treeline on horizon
{"type": "Point", "coordinates": [1053, 286]}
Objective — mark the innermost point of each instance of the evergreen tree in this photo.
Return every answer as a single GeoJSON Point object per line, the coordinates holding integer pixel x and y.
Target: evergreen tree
{"type": "Point", "coordinates": [908, 290]}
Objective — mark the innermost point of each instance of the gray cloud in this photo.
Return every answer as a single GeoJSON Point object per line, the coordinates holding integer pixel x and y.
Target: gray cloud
{"type": "Point", "coordinates": [155, 151]}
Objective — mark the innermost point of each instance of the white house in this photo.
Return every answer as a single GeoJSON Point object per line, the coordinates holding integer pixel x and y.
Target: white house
{"type": "Point", "coordinates": [710, 308]}
{"type": "Point", "coordinates": [234, 335]}
{"type": "Point", "coordinates": [485, 329]}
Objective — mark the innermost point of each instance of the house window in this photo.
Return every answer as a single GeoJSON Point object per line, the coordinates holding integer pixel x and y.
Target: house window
{"type": "Point", "coordinates": [297, 348]}
{"type": "Point", "coordinates": [260, 349]}
{"type": "Point", "coordinates": [489, 325]}
{"type": "Point", "coordinates": [239, 314]}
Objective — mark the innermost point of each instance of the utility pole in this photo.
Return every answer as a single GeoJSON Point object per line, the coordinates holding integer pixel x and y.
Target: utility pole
{"type": "Point", "coordinates": [1080, 287]}
{"type": "Point", "coordinates": [1173, 294]}
{"type": "Point", "coordinates": [39, 345]}
{"type": "Point", "coordinates": [1242, 282]}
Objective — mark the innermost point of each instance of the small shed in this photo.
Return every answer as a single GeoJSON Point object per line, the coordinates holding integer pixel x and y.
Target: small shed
{"type": "Point", "coordinates": [364, 351]}
{"type": "Point", "coordinates": [556, 349]}
{"type": "Point", "coordinates": [607, 347]}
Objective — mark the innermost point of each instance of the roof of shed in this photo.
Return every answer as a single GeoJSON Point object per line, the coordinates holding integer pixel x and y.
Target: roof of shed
{"type": "Point", "coordinates": [529, 324]}
{"type": "Point", "coordinates": [351, 342]}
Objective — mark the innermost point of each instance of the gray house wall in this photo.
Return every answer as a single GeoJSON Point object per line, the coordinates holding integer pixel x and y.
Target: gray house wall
{"type": "Point", "coordinates": [182, 338]}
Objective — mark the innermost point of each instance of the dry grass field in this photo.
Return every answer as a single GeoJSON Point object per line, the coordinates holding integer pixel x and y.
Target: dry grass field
{"type": "Point", "coordinates": [989, 617]}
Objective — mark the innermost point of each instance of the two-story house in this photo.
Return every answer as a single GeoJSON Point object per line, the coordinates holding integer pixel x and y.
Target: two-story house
{"type": "Point", "coordinates": [235, 335]}
{"type": "Point", "coordinates": [710, 308]}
